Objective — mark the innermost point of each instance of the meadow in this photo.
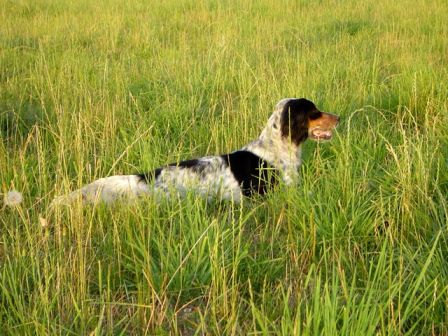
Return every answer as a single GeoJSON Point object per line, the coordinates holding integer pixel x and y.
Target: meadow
{"type": "Point", "coordinates": [95, 88]}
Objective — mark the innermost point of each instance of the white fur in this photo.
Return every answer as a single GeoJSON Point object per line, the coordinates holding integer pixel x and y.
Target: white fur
{"type": "Point", "coordinates": [107, 189]}
{"type": "Point", "coordinates": [216, 179]}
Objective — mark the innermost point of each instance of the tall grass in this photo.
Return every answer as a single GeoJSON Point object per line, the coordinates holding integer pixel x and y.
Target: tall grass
{"type": "Point", "coordinates": [93, 88]}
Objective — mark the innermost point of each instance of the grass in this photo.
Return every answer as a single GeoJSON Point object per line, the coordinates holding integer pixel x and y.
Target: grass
{"type": "Point", "coordinates": [93, 88]}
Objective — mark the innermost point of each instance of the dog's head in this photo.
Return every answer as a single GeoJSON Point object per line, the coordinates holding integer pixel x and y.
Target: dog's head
{"type": "Point", "coordinates": [300, 119]}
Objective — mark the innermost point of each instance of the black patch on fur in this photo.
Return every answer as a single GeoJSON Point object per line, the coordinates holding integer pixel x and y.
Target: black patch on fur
{"type": "Point", "coordinates": [294, 119]}
{"type": "Point", "coordinates": [254, 174]}
{"type": "Point", "coordinates": [195, 165]}
{"type": "Point", "coordinates": [151, 176]}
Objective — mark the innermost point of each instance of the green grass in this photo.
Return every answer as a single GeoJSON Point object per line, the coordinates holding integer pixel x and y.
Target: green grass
{"type": "Point", "coordinates": [93, 88]}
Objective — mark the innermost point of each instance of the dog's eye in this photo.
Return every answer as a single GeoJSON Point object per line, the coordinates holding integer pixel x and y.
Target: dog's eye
{"type": "Point", "coordinates": [315, 115]}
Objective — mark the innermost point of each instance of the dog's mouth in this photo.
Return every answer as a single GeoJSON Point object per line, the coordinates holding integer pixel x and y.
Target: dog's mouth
{"type": "Point", "coordinates": [320, 134]}
{"type": "Point", "coordinates": [322, 128]}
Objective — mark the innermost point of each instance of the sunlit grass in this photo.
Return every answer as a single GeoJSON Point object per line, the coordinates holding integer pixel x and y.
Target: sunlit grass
{"type": "Point", "coordinates": [89, 89]}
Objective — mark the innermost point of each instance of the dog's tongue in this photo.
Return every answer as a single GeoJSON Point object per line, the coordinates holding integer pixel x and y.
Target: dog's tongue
{"type": "Point", "coordinates": [320, 134]}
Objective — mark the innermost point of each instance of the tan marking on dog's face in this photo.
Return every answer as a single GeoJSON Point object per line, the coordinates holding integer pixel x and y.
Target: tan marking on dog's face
{"type": "Point", "coordinates": [321, 127]}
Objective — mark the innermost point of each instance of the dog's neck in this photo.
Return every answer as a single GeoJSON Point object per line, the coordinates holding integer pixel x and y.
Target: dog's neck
{"type": "Point", "coordinates": [278, 151]}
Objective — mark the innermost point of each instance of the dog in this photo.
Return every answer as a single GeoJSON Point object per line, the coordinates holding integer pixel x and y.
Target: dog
{"type": "Point", "coordinates": [252, 170]}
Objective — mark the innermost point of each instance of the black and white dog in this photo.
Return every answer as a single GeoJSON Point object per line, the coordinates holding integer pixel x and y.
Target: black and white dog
{"type": "Point", "coordinates": [253, 169]}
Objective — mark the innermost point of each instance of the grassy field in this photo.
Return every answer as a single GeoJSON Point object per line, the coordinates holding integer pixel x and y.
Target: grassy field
{"type": "Point", "coordinates": [94, 88]}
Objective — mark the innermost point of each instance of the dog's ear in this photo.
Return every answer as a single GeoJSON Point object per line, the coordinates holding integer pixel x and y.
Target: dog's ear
{"type": "Point", "coordinates": [295, 119]}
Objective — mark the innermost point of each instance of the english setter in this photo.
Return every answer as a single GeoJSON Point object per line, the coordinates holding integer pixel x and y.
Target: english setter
{"type": "Point", "coordinates": [253, 169]}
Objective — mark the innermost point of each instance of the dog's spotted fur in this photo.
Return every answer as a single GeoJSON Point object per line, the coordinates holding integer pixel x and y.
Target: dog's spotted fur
{"type": "Point", "coordinates": [276, 154]}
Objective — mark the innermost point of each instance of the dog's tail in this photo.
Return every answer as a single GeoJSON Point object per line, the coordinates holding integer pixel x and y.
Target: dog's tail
{"type": "Point", "coordinates": [106, 190]}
